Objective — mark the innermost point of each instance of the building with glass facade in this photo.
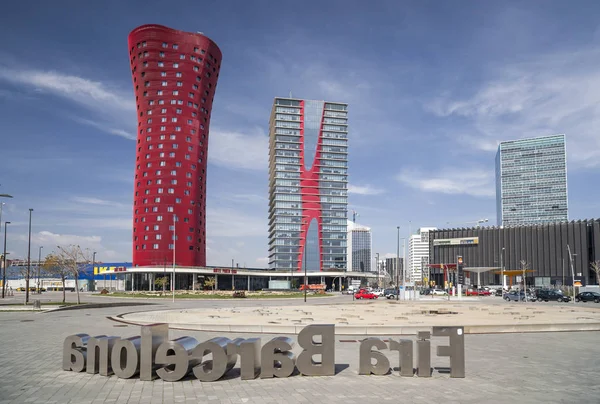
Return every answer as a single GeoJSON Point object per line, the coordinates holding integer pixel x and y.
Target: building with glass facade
{"type": "Point", "coordinates": [531, 181]}
{"type": "Point", "coordinates": [418, 254]}
{"type": "Point", "coordinates": [308, 178]}
{"type": "Point", "coordinates": [359, 248]}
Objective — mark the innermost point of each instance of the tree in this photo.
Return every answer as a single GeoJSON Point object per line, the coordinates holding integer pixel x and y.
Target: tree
{"type": "Point", "coordinates": [162, 283]}
{"type": "Point", "coordinates": [74, 259]}
{"type": "Point", "coordinates": [596, 268]}
{"type": "Point", "coordinates": [210, 283]}
{"type": "Point", "coordinates": [53, 265]}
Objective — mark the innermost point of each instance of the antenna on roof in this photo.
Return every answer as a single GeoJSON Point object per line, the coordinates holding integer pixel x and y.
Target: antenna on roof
{"type": "Point", "coordinates": [290, 93]}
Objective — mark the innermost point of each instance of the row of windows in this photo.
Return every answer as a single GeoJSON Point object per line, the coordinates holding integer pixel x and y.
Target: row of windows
{"type": "Point", "coordinates": [288, 146]}
{"type": "Point", "coordinates": [287, 117]}
{"type": "Point", "coordinates": [156, 208]}
{"type": "Point", "coordinates": [286, 110]}
{"type": "Point", "coordinates": [288, 197]}
{"type": "Point", "coordinates": [335, 121]}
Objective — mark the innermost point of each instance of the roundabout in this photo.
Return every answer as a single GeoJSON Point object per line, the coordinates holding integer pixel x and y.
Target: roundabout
{"type": "Point", "coordinates": [376, 318]}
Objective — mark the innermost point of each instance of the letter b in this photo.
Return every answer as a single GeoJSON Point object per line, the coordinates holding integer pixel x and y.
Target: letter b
{"type": "Point", "coordinates": [326, 348]}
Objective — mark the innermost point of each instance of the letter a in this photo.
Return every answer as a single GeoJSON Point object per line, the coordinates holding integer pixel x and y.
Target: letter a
{"type": "Point", "coordinates": [73, 357]}
{"type": "Point", "coordinates": [382, 366]}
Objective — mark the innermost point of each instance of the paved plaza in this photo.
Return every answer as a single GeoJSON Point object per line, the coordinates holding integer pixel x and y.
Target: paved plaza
{"type": "Point", "coordinates": [527, 368]}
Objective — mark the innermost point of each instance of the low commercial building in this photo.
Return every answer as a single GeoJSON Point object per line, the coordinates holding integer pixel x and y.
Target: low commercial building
{"type": "Point", "coordinates": [552, 252]}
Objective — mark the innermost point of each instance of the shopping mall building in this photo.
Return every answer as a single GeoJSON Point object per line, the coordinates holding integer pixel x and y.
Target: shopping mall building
{"type": "Point", "coordinates": [553, 254]}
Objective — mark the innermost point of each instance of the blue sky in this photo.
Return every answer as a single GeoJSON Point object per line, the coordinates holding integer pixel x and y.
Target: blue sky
{"type": "Point", "coordinates": [432, 87]}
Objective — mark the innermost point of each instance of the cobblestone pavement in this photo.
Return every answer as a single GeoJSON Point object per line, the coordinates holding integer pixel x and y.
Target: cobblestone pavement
{"type": "Point", "coordinates": [524, 368]}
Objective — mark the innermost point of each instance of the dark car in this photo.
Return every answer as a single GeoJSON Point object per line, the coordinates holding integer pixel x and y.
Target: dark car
{"type": "Point", "coordinates": [547, 295]}
{"type": "Point", "coordinates": [588, 297]}
{"type": "Point", "coordinates": [516, 296]}
{"type": "Point", "coordinates": [498, 292]}
{"type": "Point", "coordinates": [389, 293]}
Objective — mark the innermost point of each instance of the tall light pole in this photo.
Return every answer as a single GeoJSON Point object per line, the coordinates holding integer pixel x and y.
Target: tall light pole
{"type": "Point", "coordinates": [174, 241]}
{"type": "Point", "coordinates": [39, 267]}
{"type": "Point", "coordinates": [398, 263]}
{"type": "Point", "coordinates": [28, 260]}
{"type": "Point", "coordinates": [93, 265]}
{"type": "Point", "coordinates": [4, 262]}
{"type": "Point", "coordinates": [377, 268]}
{"type": "Point", "coordinates": [502, 269]}
{"type": "Point", "coordinates": [305, 258]}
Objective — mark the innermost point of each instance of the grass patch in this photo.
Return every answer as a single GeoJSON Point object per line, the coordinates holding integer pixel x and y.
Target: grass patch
{"type": "Point", "coordinates": [216, 295]}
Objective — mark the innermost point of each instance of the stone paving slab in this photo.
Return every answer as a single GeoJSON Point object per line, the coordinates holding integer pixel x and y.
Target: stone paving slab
{"type": "Point", "coordinates": [528, 368]}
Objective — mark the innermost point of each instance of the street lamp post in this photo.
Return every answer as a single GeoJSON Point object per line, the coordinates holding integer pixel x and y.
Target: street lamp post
{"type": "Point", "coordinates": [93, 265]}
{"type": "Point", "coordinates": [4, 262]}
{"type": "Point", "coordinates": [502, 269]}
{"type": "Point", "coordinates": [28, 260]}
{"type": "Point", "coordinates": [398, 263]}
{"type": "Point", "coordinates": [174, 243]}
{"type": "Point", "coordinates": [305, 258]}
{"type": "Point", "coordinates": [39, 268]}
{"type": "Point", "coordinates": [377, 269]}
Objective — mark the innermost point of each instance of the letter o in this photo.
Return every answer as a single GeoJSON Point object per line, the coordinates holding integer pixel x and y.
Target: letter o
{"type": "Point", "coordinates": [124, 359]}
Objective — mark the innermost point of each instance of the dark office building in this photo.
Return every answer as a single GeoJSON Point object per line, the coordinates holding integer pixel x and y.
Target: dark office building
{"type": "Point", "coordinates": [544, 247]}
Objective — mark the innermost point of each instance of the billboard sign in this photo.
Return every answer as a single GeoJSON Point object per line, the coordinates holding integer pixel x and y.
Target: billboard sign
{"type": "Point", "coordinates": [456, 241]}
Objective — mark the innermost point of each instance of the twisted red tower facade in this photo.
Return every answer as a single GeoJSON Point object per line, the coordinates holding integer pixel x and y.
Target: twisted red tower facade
{"type": "Point", "coordinates": [175, 77]}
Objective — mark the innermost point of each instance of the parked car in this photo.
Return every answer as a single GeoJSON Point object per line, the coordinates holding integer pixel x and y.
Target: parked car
{"type": "Point", "coordinates": [389, 293]}
{"type": "Point", "coordinates": [588, 297]}
{"type": "Point", "coordinates": [547, 295]}
{"type": "Point", "coordinates": [516, 296]}
{"type": "Point", "coordinates": [365, 294]}
{"type": "Point", "coordinates": [438, 292]}
{"type": "Point", "coordinates": [378, 292]}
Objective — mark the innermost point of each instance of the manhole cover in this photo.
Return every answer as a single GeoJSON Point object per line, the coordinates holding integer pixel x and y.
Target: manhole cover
{"type": "Point", "coordinates": [26, 321]}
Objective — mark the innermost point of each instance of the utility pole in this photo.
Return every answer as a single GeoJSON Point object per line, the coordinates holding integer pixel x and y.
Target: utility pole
{"type": "Point", "coordinates": [28, 260]}
{"type": "Point", "coordinates": [174, 242]}
{"type": "Point", "coordinates": [398, 264]}
{"type": "Point", "coordinates": [39, 267]}
{"type": "Point", "coordinates": [572, 270]}
{"type": "Point", "coordinates": [377, 268]}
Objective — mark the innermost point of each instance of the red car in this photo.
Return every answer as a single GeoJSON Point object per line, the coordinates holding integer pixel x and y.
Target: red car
{"type": "Point", "coordinates": [364, 294]}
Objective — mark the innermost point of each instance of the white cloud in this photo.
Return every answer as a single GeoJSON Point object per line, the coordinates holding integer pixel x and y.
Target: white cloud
{"type": "Point", "coordinates": [105, 128]}
{"type": "Point", "coordinates": [552, 94]}
{"type": "Point", "coordinates": [113, 107]}
{"type": "Point", "coordinates": [96, 201]}
{"type": "Point", "coordinates": [469, 181]}
{"type": "Point", "coordinates": [364, 190]}
{"type": "Point", "coordinates": [225, 222]}
{"type": "Point", "coordinates": [78, 89]}
{"type": "Point", "coordinates": [50, 240]}
{"type": "Point", "coordinates": [237, 150]}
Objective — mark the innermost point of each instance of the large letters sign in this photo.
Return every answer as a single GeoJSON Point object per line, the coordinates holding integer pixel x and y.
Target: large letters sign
{"type": "Point", "coordinates": [153, 354]}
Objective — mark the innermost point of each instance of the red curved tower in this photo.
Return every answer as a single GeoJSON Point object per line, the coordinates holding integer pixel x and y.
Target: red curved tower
{"type": "Point", "coordinates": [174, 76]}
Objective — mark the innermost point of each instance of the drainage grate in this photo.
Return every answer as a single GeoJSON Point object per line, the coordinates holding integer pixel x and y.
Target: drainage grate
{"type": "Point", "coordinates": [120, 325]}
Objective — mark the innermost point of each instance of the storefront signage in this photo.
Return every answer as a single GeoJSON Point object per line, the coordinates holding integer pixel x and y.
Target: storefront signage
{"type": "Point", "coordinates": [456, 241]}
{"type": "Point", "coordinates": [153, 354]}
{"type": "Point", "coordinates": [224, 271]}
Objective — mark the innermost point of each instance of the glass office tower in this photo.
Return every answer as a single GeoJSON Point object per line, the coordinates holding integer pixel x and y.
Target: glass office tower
{"type": "Point", "coordinates": [308, 178]}
{"type": "Point", "coordinates": [531, 181]}
{"type": "Point", "coordinates": [359, 247]}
